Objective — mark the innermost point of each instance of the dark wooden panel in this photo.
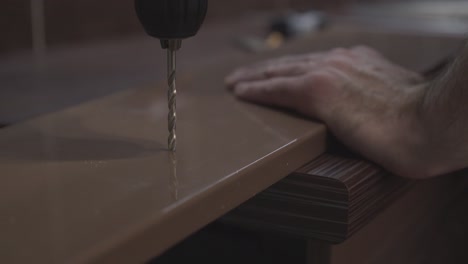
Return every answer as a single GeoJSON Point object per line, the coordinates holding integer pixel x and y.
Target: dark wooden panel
{"type": "Point", "coordinates": [330, 198]}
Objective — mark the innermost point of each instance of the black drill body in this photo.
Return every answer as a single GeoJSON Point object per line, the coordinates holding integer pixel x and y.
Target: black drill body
{"type": "Point", "coordinates": [171, 19]}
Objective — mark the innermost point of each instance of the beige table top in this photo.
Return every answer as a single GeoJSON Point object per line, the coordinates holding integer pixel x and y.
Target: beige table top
{"type": "Point", "coordinates": [95, 182]}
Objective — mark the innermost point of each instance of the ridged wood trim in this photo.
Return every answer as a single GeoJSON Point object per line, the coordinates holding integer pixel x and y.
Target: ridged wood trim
{"type": "Point", "coordinates": [330, 198]}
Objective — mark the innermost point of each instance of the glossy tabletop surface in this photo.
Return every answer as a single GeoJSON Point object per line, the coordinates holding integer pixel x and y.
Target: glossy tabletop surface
{"type": "Point", "coordinates": [96, 183]}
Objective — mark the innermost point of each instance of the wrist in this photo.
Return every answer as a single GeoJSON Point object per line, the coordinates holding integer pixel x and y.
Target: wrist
{"type": "Point", "coordinates": [435, 144]}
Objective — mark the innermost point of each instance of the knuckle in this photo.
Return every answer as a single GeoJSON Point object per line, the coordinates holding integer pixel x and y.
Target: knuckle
{"type": "Point", "coordinates": [268, 89]}
{"type": "Point", "coordinates": [295, 84]}
{"type": "Point", "coordinates": [320, 78]}
{"type": "Point", "coordinates": [298, 68]}
{"type": "Point", "coordinates": [270, 71]}
{"type": "Point", "coordinates": [337, 61]}
{"type": "Point", "coordinates": [340, 51]}
{"type": "Point", "coordinates": [363, 49]}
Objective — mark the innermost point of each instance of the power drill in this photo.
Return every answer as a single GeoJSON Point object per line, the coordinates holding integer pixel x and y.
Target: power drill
{"type": "Point", "coordinates": [171, 21]}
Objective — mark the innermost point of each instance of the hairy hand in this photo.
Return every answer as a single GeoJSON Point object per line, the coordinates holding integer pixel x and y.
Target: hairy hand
{"type": "Point", "coordinates": [368, 102]}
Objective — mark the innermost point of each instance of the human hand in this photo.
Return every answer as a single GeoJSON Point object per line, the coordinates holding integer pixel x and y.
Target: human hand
{"type": "Point", "coordinates": [368, 102]}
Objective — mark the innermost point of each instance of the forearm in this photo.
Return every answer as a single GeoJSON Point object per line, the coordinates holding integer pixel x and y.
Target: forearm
{"type": "Point", "coordinates": [444, 115]}
{"type": "Point", "coordinates": [446, 100]}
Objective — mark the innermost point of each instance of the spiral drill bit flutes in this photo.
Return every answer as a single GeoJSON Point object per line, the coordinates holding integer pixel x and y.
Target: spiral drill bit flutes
{"type": "Point", "coordinates": [172, 47]}
{"type": "Point", "coordinates": [171, 21]}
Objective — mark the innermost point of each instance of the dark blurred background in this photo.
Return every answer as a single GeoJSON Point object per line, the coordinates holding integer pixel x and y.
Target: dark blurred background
{"type": "Point", "coordinates": [70, 21]}
{"type": "Point", "coordinates": [59, 53]}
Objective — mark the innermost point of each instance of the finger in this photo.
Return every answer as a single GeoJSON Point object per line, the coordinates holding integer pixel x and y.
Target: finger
{"type": "Point", "coordinates": [368, 54]}
{"type": "Point", "coordinates": [281, 91]}
{"type": "Point", "coordinates": [339, 58]}
{"type": "Point", "coordinates": [366, 50]}
{"type": "Point", "coordinates": [270, 71]}
{"type": "Point", "coordinates": [259, 71]}
{"type": "Point", "coordinates": [293, 58]}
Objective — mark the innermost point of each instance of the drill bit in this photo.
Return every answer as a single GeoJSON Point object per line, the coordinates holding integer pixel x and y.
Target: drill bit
{"type": "Point", "coordinates": [172, 47]}
{"type": "Point", "coordinates": [171, 21]}
{"type": "Point", "coordinates": [173, 174]}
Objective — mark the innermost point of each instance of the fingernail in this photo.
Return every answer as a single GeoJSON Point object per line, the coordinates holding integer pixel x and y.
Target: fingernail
{"type": "Point", "coordinates": [228, 80]}
{"type": "Point", "coordinates": [231, 79]}
{"type": "Point", "coordinates": [240, 89]}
